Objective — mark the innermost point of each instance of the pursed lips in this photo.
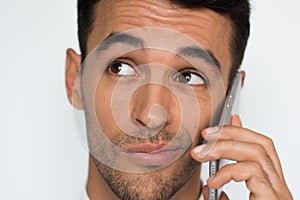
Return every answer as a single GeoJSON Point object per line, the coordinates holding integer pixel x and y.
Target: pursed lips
{"type": "Point", "coordinates": [152, 154]}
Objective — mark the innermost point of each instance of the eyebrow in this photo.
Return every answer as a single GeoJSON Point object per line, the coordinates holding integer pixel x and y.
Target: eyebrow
{"type": "Point", "coordinates": [190, 51]}
{"type": "Point", "coordinates": [198, 52]}
{"type": "Point", "coordinates": [122, 38]}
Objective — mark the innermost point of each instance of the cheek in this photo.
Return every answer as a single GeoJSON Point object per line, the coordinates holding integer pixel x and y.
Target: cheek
{"type": "Point", "coordinates": [205, 114]}
{"type": "Point", "coordinates": [103, 107]}
{"type": "Point", "coordinates": [205, 109]}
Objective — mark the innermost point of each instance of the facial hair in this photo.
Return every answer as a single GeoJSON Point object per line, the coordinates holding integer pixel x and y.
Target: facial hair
{"type": "Point", "coordinates": [148, 186]}
{"type": "Point", "coordinates": [160, 184]}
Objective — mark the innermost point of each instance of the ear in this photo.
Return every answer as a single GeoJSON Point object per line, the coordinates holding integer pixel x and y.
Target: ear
{"type": "Point", "coordinates": [243, 73]}
{"type": "Point", "coordinates": [73, 62]}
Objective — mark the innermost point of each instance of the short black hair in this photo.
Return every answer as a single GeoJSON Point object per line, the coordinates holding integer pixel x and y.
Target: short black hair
{"type": "Point", "coordinates": [237, 10]}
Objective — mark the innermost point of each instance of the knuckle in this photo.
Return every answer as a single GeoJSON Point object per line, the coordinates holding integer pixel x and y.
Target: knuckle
{"type": "Point", "coordinates": [269, 144]}
{"type": "Point", "coordinates": [256, 168]}
{"type": "Point", "coordinates": [263, 157]}
{"type": "Point", "coordinates": [260, 150]}
{"type": "Point", "coordinates": [268, 161]}
{"type": "Point", "coordinates": [258, 182]}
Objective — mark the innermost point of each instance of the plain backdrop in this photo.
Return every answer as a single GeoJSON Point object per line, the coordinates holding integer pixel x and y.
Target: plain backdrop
{"type": "Point", "coordinates": [41, 156]}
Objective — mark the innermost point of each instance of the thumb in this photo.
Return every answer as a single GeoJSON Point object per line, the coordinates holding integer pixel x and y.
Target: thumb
{"type": "Point", "coordinates": [205, 194]}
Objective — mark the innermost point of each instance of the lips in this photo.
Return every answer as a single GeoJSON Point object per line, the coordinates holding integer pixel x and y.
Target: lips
{"type": "Point", "coordinates": [150, 154]}
{"type": "Point", "coordinates": [145, 148]}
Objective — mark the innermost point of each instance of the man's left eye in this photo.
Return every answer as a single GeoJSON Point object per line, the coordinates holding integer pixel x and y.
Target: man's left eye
{"type": "Point", "coordinates": [189, 77]}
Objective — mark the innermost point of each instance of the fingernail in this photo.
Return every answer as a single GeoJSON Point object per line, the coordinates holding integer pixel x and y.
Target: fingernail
{"type": "Point", "coordinates": [199, 149]}
{"type": "Point", "coordinates": [212, 130]}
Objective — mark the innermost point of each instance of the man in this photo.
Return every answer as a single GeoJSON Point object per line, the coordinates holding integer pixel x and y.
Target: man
{"type": "Point", "coordinates": [139, 42]}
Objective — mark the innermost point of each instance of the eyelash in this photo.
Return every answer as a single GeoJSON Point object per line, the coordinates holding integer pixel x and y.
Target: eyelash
{"type": "Point", "coordinates": [195, 72]}
{"type": "Point", "coordinates": [188, 70]}
{"type": "Point", "coordinates": [115, 61]}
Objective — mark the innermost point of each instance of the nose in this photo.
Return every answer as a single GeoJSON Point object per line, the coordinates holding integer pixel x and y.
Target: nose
{"type": "Point", "coordinates": [151, 106]}
{"type": "Point", "coordinates": [157, 116]}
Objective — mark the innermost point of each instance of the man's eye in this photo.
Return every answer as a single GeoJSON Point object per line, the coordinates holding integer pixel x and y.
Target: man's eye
{"type": "Point", "coordinates": [191, 78]}
{"type": "Point", "coordinates": [121, 68]}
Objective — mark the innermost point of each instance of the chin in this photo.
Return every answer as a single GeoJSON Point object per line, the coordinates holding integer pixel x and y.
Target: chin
{"type": "Point", "coordinates": [161, 184]}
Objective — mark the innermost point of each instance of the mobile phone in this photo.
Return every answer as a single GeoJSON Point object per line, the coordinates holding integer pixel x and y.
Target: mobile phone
{"type": "Point", "coordinates": [214, 194]}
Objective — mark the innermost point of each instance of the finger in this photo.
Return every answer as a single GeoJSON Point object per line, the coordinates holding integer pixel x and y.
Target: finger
{"type": "Point", "coordinates": [251, 172]}
{"type": "Point", "coordinates": [229, 149]}
{"type": "Point", "coordinates": [236, 121]}
{"type": "Point", "coordinates": [237, 151]}
{"type": "Point", "coordinates": [224, 196]}
{"type": "Point", "coordinates": [236, 133]}
{"type": "Point", "coordinates": [205, 192]}
{"type": "Point", "coordinates": [244, 135]}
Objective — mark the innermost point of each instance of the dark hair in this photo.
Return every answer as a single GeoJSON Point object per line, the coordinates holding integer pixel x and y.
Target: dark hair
{"type": "Point", "coordinates": [237, 10]}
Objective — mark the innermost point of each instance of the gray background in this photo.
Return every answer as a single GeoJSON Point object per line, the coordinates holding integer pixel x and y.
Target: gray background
{"type": "Point", "coordinates": [41, 156]}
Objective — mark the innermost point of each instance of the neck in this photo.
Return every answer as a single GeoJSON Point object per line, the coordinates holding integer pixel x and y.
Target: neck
{"type": "Point", "coordinates": [97, 188]}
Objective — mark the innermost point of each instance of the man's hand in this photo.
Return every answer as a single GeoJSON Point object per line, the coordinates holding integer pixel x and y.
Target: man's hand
{"type": "Point", "coordinates": [257, 161]}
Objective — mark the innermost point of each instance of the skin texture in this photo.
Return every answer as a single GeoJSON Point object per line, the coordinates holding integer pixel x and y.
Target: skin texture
{"type": "Point", "coordinates": [258, 163]}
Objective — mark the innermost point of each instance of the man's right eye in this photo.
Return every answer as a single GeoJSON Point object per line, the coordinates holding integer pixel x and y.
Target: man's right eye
{"type": "Point", "coordinates": [121, 69]}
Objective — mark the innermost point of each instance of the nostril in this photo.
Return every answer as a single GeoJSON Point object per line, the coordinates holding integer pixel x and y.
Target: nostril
{"type": "Point", "coordinates": [141, 122]}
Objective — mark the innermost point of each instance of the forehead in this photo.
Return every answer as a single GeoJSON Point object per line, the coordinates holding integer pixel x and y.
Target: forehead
{"type": "Point", "coordinates": [209, 29]}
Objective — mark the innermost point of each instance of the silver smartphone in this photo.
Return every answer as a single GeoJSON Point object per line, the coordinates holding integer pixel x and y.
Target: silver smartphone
{"type": "Point", "coordinates": [214, 194]}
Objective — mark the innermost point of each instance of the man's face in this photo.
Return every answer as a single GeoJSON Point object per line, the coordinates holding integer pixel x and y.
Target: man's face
{"type": "Point", "coordinates": [139, 109]}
